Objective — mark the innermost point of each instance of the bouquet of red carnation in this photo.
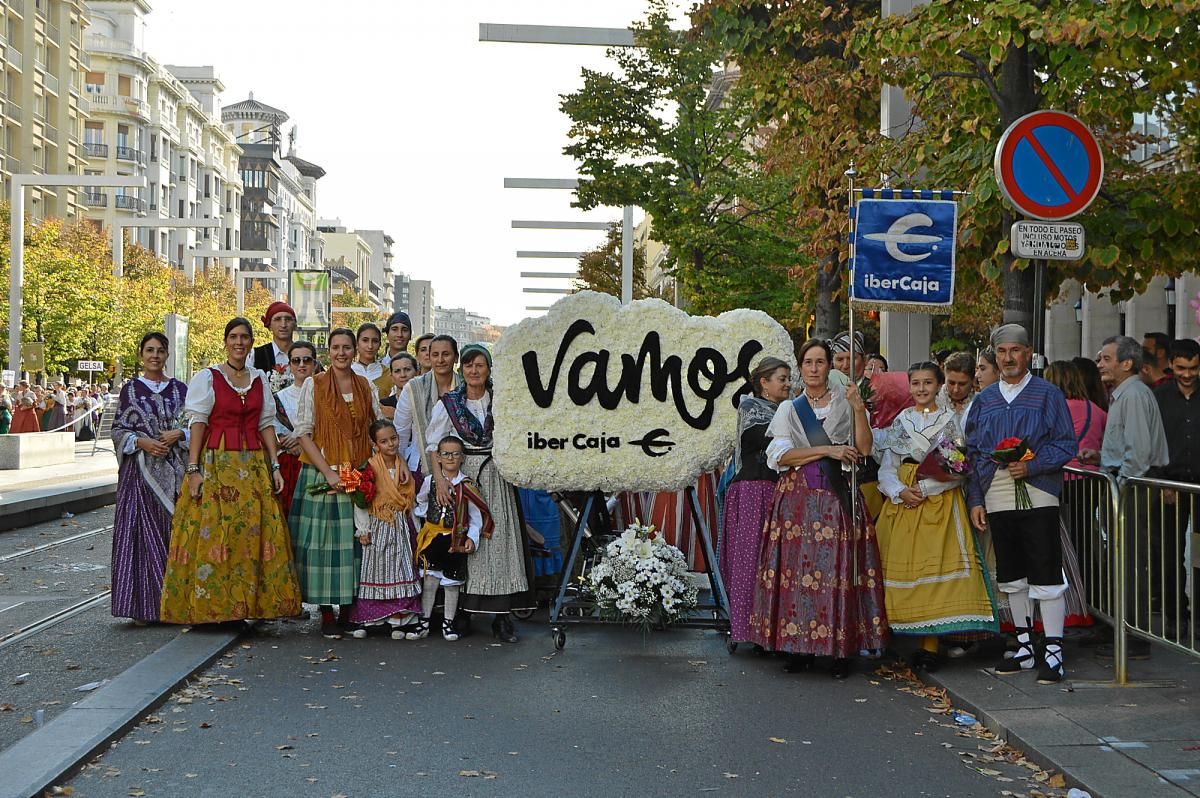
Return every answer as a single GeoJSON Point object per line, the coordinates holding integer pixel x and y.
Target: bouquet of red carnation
{"type": "Point", "coordinates": [357, 483]}
{"type": "Point", "coordinates": [1015, 450]}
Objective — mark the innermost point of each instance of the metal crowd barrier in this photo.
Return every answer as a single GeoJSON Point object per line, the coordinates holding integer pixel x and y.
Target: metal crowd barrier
{"type": "Point", "coordinates": [1134, 556]}
{"type": "Point", "coordinates": [1157, 516]}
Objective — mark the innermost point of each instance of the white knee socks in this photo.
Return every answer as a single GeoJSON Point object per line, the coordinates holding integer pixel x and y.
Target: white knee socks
{"type": "Point", "coordinates": [429, 595]}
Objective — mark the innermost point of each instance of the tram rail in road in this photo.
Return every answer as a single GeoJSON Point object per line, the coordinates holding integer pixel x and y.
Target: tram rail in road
{"type": "Point", "coordinates": [63, 613]}
{"type": "Point", "coordinates": [55, 543]}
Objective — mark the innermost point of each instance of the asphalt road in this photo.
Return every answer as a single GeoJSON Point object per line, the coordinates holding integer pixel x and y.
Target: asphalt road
{"type": "Point", "coordinates": [287, 713]}
{"type": "Point", "coordinates": [42, 672]}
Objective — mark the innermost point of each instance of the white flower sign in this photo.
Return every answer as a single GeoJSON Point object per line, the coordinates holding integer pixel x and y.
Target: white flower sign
{"type": "Point", "coordinates": [599, 396]}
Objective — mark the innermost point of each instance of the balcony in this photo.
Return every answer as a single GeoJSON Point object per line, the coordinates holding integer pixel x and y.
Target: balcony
{"type": "Point", "coordinates": [53, 33]}
{"type": "Point", "coordinates": [96, 43]}
{"type": "Point", "coordinates": [13, 56]}
{"type": "Point", "coordinates": [85, 105]}
{"type": "Point", "coordinates": [50, 134]}
{"type": "Point", "coordinates": [128, 154]}
{"type": "Point", "coordinates": [95, 200]}
{"type": "Point", "coordinates": [51, 83]}
{"type": "Point", "coordinates": [130, 203]}
{"type": "Point", "coordinates": [113, 103]}
{"type": "Point", "coordinates": [12, 165]}
{"type": "Point", "coordinates": [93, 149]}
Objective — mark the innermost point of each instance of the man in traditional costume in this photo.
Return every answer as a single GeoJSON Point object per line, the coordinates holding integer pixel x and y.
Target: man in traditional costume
{"type": "Point", "coordinates": [1026, 538]}
{"type": "Point", "coordinates": [272, 357]}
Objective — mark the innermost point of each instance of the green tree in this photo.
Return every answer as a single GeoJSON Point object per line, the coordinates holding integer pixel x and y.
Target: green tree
{"type": "Point", "coordinates": [820, 112]}
{"type": "Point", "coordinates": [669, 133]}
{"type": "Point", "coordinates": [973, 68]}
{"type": "Point", "coordinates": [600, 268]}
{"type": "Point", "coordinates": [349, 298]}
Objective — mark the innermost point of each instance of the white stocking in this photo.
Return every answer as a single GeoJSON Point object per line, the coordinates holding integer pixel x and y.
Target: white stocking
{"type": "Point", "coordinates": [429, 595]}
{"type": "Point", "coordinates": [451, 607]}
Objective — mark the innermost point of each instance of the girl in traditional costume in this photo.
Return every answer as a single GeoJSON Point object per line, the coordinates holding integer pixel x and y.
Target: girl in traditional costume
{"type": "Point", "coordinates": [820, 586]}
{"type": "Point", "coordinates": [935, 581]}
{"type": "Point", "coordinates": [302, 362]}
{"type": "Point", "coordinates": [498, 580]}
{"type": "Point", "coordinates": [230, 558]}
{"type": "Point", "coordinates": [388, 588]}
{"type": "Point", "coordinates": [751, 491]}
{"type": "Point", "coordinates": [151, 447]}
{"type": "Point", "coordinates": [450, 530]}
{"type": "Point", "coordinates": [333, 414]}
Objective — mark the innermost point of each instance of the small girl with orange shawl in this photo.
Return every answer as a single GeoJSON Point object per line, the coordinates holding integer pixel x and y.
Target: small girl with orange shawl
{"type": "Point", "coordinates": [389, 591]}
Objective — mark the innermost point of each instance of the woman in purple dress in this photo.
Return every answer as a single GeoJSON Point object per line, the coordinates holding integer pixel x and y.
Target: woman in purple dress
{"type": "Point", "coordinates": [751, 492]}
{"type": "Point", "coordinates": [151, 448]}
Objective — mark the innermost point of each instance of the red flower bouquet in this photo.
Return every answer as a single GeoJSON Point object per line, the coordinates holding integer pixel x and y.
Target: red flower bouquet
{"type": "Point", "coordinates": [1015, 450]}
{"type": "Point", "coordinates": [357, 483]}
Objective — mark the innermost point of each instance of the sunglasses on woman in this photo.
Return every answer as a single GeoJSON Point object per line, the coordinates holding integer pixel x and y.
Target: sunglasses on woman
{"type": "Point", "coordinates": [302, 359]}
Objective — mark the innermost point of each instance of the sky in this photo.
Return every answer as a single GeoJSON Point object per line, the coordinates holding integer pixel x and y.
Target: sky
{"type": "Point", "coordinates": [416, 122]}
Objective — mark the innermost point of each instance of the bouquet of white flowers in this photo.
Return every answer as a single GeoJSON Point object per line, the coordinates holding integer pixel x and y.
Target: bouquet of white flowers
{"type": "Point", "coordinates": [642, 579]}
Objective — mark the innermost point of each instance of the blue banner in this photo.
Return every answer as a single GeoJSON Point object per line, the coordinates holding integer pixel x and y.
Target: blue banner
{"type": "Point", "coordinates": [904, 252]}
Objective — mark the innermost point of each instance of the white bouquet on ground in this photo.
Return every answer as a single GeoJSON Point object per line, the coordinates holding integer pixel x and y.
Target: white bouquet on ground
{"type": "Point", "coordinates": [642, 579]}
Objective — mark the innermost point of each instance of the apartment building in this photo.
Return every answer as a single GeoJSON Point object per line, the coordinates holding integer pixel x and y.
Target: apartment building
{"type": "Point", "coordinates": [42, 103]}
{"type": "Point", "coordinates": [421, 306]}
{"type": "Point", "coordinates": [347, 256]}
{"type": "Point", "coordinates": [161, 122]}
{"type": "Point", "coordinates": [279, 207]}
{"type": "Point", "coordinates": [381, 281]}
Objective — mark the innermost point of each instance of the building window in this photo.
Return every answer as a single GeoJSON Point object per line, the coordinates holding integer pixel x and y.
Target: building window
{"type": "Point", "coordinates": [124, 86]}
{"type": "Point", "coordinates": [93, 132]}
{"type": "Point", "coordinates": [94, 82]}
{"type": "Point", "coordinates": [122, 135]}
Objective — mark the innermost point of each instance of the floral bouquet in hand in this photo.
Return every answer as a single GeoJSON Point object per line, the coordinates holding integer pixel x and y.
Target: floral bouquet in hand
{"type": "Point", "coordinates": [1015, 450]}
{"type": "Point", "coordinates": [642, 579]}
{"type": "Point", "coordinates": [946, 461]}
{"type": "Point", "coordinates": [357, 483]}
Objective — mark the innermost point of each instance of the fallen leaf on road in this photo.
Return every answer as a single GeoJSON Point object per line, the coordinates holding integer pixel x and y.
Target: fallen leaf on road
{"type": "Point", "coordinates": [779, 740]}
{"type": "Point", "coordinates": [62, 790]}
{"type": "Point", "coordinates": [284, 747]}
{"type": "Point", "coordinates": [729, 775]}
{"type": "Point", "coordinates": [137, 792]}
{"type": "Point", "coordinates": [860, 700]}
{"type": "Point", "coordinates": [470, 774]}
{"type": "Point", "coordinates": [205, 725]}
{"type": "Point", "coordinates": [7, 707]}
{"type": "Point", "coordinates": [1058, 781]}
{"type": "Point", "coordinates": [988, 772]}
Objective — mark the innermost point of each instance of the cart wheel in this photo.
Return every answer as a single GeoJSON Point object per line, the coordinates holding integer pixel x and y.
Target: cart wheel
{"type": "Point", "coordinates": [560, 639]}
{"type": "Point", "coordinates": [731, 645]}
{"type": "Point", "coordinates": [523, 615]}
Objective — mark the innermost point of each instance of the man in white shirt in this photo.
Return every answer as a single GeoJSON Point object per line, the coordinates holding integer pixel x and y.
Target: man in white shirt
{"type": "Point", "coordinates": [280, 319]}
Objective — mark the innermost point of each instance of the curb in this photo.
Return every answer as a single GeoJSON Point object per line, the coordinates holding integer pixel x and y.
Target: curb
{"type": "Point", "coordinates": [45, 757]}
{"type": "Point", "coordinates": [36, 505]}
{"type": "Point", "coordinates": [1082, 777]}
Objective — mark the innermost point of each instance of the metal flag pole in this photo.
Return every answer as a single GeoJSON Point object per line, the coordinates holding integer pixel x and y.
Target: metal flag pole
{"type": "Point", "coordinates": [852, 173]}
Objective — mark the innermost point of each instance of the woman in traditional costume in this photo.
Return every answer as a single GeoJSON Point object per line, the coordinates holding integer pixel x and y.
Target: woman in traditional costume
{"type": "Point", "coordinates": [151, 446]}
{"type": "Point", "coordinates": [230, 558]}
{"type": "Point", "coordinates": [25, 415]}
{"type": "Point", "coordinates": [935, 582]}
{"type": "Point", "coordinates": [368, 339]}
{"type": "Point", "coordinates": [415, 406]}
{"type": "Point", "coordinates": [820, 586]}
{"type": "Point", "coordinates": [388, 588]}
{"type": "Point", "coordinates": [302, 362]}
{"type": "Point", "coordinates": [333, 415]}
{"type": "Point", "coordinates": [751, 491]}
{"type": "Point", "coordinates": [498, 572]}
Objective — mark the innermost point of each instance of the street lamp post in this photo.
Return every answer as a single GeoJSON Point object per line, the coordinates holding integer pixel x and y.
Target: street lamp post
{"type": "Point", "coordinates": [118, 233]}
{"type": "Point", "coordinates": [16, 275]}
{"type": "Point", "coordinates": [238, 275]}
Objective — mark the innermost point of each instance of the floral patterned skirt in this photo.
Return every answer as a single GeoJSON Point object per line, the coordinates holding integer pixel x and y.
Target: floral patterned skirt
{"type": "Point", "coordinates": [230, 556]}
{"type": "Point", "coordinates": [806, 600]}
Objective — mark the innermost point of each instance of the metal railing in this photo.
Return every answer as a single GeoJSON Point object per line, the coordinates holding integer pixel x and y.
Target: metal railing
{"type": "Point", "coordinates": [129, 203]}
{"type": "Point", "coordinates": [15, 58]}
{"type": "Point", "coordinates": [14, 112]}
{"type": "Point", "coordinates": [94, 149]}
{"type": "Point", "coordinates": [127, 153]}
{"type": "Point", "coordinates": [1132, 543]}
{"type": "Point", "coordinates": [1157, 515]}
{"type": "Point", "coordinates": [95, 200]}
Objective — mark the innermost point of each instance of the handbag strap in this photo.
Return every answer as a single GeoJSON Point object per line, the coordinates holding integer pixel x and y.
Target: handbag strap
{"type": "Point", "coordinates": [1087, 423]}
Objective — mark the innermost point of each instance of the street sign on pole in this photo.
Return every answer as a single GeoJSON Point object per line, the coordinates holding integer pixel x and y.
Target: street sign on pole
{"type": "Point", "coordinates": [1049, 240]}
{"type": "Point", "coordinates": [90, 365]}
{"type": "Point", "coordinates": [1048, 165]}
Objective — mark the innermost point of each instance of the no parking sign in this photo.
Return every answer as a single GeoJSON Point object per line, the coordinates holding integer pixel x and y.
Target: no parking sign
{"type": "Point", "coordinates": [1048, 165]}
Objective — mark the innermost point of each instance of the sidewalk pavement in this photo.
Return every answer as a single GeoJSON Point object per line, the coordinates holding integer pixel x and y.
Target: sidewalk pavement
{"type": "Point", "coordinates": [31, 495]}
{"type": "Point", "coordinates": [1142, 739]}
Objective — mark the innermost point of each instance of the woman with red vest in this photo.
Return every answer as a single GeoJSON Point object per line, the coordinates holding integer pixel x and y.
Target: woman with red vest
{"type": "Point", "coordinates": [230, 556]}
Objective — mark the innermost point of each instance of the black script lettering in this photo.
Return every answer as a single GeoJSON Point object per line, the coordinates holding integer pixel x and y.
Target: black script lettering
{"type": "Point", "coordinates": [666, 375]}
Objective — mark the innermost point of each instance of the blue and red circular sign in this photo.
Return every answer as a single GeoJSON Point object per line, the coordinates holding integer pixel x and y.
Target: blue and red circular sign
{"type": "Point", "coordinates": [1049, 166]}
